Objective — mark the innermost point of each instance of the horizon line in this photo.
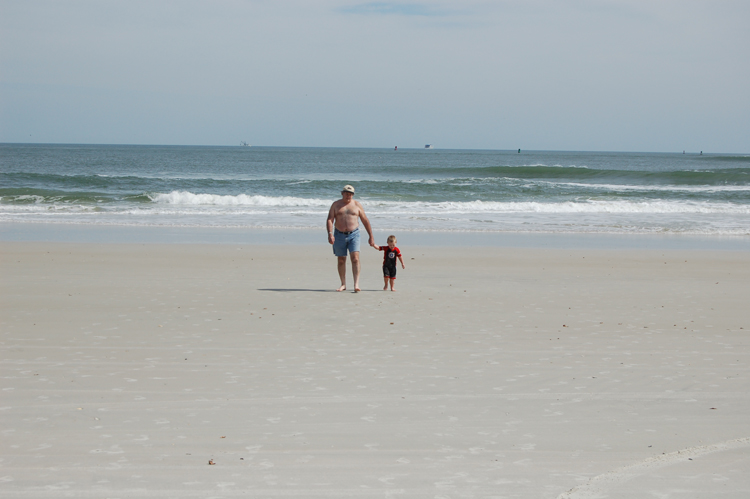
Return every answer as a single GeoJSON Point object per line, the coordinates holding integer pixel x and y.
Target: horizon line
{"type": "Point", "coordinates": [514, 150]}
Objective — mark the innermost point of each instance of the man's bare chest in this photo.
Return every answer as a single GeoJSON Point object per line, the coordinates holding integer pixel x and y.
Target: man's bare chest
{"type": "Point", "coordinates": [348, 211]}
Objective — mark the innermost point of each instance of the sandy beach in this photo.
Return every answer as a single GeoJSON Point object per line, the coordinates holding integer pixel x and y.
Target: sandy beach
{"type": "Point", "coordinates": [127, 369]}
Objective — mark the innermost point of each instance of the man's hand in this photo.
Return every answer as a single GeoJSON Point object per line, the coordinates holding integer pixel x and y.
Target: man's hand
{"type": "Point", "coordinates": [372, 242]}
{"type": "Point", "coordinates": [330, 238]}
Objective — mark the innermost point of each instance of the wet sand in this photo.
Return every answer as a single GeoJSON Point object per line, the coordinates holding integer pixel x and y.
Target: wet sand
{"type": "Point", "coordinates": [492, 372]}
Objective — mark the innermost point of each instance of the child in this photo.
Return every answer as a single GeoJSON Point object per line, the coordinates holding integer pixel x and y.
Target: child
{"type": "Point", "coordinates": [389, 262]}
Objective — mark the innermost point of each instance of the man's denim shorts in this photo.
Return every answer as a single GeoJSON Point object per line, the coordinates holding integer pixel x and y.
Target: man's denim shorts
{"type": "Point", "coordinates": [343, 241]}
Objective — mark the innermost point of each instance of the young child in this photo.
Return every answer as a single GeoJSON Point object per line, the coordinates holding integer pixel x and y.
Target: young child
{"type": "Point", "coordinates": [389, 262]}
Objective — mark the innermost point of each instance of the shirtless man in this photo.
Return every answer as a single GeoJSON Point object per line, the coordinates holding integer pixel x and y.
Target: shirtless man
{"type": "Point", "coordinates": [343, 233]}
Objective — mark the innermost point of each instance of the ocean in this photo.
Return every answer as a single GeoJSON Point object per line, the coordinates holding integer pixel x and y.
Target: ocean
{"type": "Point", "coordinates": [407, 189]}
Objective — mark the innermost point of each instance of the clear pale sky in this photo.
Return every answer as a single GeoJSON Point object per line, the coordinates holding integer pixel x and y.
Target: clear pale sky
{"type": "Point", "coordinates": [640, 75]}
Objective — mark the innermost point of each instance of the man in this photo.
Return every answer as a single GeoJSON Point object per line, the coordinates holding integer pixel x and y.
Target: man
{"type": "Point", "coordinates": [343, 233]}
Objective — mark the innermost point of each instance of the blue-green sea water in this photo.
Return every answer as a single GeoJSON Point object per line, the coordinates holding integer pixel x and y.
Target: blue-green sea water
{"type": "Point", "coordinates": [408, 189]}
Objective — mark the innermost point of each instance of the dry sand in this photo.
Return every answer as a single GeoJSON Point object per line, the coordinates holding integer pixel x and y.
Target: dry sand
{"type": "Point", "coordinates": [490, 373]}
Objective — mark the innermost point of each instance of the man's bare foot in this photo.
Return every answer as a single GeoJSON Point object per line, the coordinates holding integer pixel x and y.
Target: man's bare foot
{"type": "Point", "coordinates": [342, 288]}
{"type": "Point", "coordinates": [357, 290]}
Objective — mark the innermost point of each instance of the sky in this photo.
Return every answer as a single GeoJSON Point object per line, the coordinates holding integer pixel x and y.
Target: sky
{"type": "Point", "coordinates": [596, 75]}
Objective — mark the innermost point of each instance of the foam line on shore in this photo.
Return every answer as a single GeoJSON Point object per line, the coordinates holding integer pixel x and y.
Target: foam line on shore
{"type": "Point", "coordinates": [117, 234]}
{"type": "Point", "coordinates": [599, 485]}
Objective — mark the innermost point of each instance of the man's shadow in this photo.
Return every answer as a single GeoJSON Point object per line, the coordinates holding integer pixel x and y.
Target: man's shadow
{"type": "Point", "coordinates": [288, 290]}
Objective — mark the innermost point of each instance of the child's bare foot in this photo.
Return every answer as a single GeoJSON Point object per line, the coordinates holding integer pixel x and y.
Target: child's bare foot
{"type": "Point", "coordinates": [393, 290]}
{"type": "Point", "coordinates": [356, 289]}
{"type": "Point", "coordinates": [385, 288]}
{"type": "Point", "coordinates": [342, 288]}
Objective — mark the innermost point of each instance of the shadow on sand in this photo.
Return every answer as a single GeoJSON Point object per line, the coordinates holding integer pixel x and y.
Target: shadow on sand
{"type": "Point", "coordinates": [286, 290]}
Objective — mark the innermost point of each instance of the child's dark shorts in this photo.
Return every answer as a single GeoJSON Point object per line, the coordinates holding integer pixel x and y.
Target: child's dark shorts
{"type": "Point", "coordinates": [389, 271]}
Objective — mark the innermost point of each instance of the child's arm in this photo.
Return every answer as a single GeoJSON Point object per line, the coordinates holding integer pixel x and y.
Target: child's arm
{"type": "Point", "coordinates": [376, 247]}
{"type": "Point", "coordinates": [402, 261]}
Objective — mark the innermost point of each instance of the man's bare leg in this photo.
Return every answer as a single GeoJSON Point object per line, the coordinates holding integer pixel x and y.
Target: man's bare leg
{"type": "Point", "coordinates": [342, 272]}
{"type": "Point", "coordinates": [355, 269]}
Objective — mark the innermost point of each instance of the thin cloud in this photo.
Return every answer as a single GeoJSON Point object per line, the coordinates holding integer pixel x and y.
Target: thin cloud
{"type": "Point", "coordinates": [394, 9]}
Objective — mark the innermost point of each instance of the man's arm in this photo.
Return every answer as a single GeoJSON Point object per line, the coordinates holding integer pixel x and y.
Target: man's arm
{"type": "Point", "coordinates": [329, 224]}
{"type": "Point", "coordinates": [366, 223]}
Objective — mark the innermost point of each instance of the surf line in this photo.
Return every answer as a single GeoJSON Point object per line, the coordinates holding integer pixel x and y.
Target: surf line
{"type": "Point", "coordinates": [599, 484]}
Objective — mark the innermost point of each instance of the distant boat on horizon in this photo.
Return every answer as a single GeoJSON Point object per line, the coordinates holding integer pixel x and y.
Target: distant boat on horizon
{"type": "Point", "coordinates": [428, 146]}
{"type": "Point", "coordinates": [245, 144]}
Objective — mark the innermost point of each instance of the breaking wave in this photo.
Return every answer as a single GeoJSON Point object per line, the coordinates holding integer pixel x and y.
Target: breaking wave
{"type": "Point", "coordinates": [189, 198]}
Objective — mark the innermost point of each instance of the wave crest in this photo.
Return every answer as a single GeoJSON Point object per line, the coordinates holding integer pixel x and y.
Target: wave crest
{"type": "Point", "coordinates": [189, 198]}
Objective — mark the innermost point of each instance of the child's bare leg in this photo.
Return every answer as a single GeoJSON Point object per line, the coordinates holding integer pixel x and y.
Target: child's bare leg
{"type": "Point", "coordinates": [393, 284]}
{"type": "Point", "coordinates": [385, 282]}
{"type": "Point", "coordinates": [342, 272]}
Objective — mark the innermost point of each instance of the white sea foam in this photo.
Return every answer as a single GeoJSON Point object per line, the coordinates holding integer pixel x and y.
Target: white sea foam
{"type": "Point", "coordinates": [181, 208]}
{"type": "Point", "coordinates": [182, 202]}
{"type": "Point", "coordinates": [659, 188]}
{"type": "Point", "coordinates": [188, 198]}
{"type": "Point", "coordinates": [555, 165]}
{"type": "Point", "coordinates": [593, 206]}
{"type": "Point", "coordinates": [34, 198]}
